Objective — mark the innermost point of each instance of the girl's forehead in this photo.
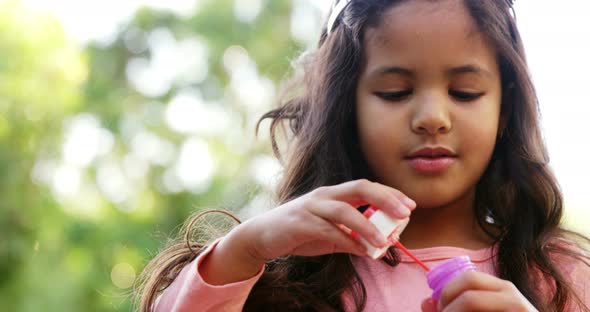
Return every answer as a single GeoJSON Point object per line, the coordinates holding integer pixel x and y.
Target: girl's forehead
{"type": "Point", "coordinates": [419, 18]}
{"type": "Point", "coordinates": [424, 32]}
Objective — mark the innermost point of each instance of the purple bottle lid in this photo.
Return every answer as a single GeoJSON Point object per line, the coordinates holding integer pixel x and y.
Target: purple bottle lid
{"type": "Point", "coordinates": [443, 273]}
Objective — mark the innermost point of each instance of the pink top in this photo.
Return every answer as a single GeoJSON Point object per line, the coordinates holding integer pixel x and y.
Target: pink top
{"type": "Point", "coordinates": [385, 292]}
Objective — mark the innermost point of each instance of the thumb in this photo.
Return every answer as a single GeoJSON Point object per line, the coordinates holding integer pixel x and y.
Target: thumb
{"type": "Point", "coordinates": [429, 305]}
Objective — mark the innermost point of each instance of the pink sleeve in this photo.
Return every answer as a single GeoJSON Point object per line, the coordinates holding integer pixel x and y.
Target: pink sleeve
{"type": "Point", "coordinates": [189, 292]}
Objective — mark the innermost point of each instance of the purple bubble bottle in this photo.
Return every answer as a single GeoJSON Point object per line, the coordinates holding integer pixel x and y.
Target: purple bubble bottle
{"type": "Point", "coordinates": [443, 273]}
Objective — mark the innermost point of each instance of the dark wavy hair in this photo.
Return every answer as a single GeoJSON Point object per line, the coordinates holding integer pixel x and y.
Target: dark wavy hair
{"type": "Point", "coordinates": [517, 190]}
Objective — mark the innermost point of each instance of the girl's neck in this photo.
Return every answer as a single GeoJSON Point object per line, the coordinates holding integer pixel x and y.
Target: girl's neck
{"type": "Point", "coordinates": [450, 225]}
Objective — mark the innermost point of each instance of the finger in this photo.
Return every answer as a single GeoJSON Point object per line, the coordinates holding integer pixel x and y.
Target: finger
{"type": "Point", "coordinates": [360, 251]}
{"type": "Point", "coordinates": [362, 192]}
{"type": "Point", "coordinates": [469, 281]}
{"type": "Point", "coordinates": [401, 196]}
{"type": "Point", "coordinates": [482, 300]}
{"type": "Point", "coordinates": [429, 305]}
{"type": "Point", "coordinates": [401, 206]}
{"type": "Point", "coordinates": [402, 202]}
{"type": "Point", "coordinates": [339, 212]}
{"type": "Point", "coordinates": [336, 240]}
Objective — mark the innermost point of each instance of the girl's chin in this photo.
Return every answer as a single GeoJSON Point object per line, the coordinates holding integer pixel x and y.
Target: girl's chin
{"type": "Point", "coordinates": [444, 200]}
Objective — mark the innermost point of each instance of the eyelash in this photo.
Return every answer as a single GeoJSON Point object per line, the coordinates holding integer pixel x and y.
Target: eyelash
{"type": "Point", "coordinates": [394, 96]}
{"type": "Point", "coordinates": [465, 96]}
{"type": "Point", "coordinates": [401, 95]}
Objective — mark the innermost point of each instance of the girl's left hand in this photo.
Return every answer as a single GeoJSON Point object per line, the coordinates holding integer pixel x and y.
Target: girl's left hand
{"type": "Point", "coordinates": [477, 291]}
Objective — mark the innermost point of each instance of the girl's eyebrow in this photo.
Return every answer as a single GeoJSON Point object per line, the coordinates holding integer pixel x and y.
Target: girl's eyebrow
{"type": "Point", "coordinates": [390, 70]}
{"type": "Point", "coordinates": [464, 69]}
{"type": "Point", "coordinates": [470, 68]}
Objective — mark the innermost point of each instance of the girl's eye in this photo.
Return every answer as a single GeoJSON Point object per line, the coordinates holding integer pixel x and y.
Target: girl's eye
{"type": "Point", "coordinates": [394, 96]}
{"type": "Point", "coordinates": [465, 96]}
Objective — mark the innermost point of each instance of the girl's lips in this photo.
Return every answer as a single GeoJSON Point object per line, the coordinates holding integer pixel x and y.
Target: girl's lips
{"type": "Point", "coordinates": [431, 165]}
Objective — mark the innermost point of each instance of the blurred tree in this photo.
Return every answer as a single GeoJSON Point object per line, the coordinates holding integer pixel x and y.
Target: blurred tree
{"type": "Point", "coordinates": [40, 76]}
{"type": "Point", "coordinates": [106, 150]}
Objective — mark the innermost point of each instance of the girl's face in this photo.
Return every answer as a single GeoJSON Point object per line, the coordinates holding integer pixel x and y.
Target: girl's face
{"type": "Point", "coordinates": [428, 101]}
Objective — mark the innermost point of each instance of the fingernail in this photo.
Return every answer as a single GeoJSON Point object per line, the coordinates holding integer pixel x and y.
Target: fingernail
{"type": "Point", "coordinates": [408, 202]}
{"type": "Point", "coordinates": [403, 210]}
{"type": "Point", "coordinates": [429, 305]}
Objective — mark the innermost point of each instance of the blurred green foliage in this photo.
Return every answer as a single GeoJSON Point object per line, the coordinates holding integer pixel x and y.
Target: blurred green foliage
{"type": "Point", "coordinates": [67, 243]}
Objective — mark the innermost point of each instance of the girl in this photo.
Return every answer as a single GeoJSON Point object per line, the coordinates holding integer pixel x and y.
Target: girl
{"type": "Point", "coordinates": [416, 107]}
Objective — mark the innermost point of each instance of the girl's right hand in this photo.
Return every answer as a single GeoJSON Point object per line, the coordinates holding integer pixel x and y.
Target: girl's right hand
{"type": "Point", "coordinates": [317, 223]}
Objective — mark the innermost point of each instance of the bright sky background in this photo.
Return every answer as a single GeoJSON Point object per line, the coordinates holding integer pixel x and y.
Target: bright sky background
{"type": "Point", "coordinates": [556, 36]}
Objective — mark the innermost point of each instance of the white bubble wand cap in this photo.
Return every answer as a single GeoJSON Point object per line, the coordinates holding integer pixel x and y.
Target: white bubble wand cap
{"type": "Point", "coordinates": [390, 228]}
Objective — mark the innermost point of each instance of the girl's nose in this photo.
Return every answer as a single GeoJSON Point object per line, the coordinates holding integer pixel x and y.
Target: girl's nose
{"type": "Point", "coordinates": [431, 116]}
